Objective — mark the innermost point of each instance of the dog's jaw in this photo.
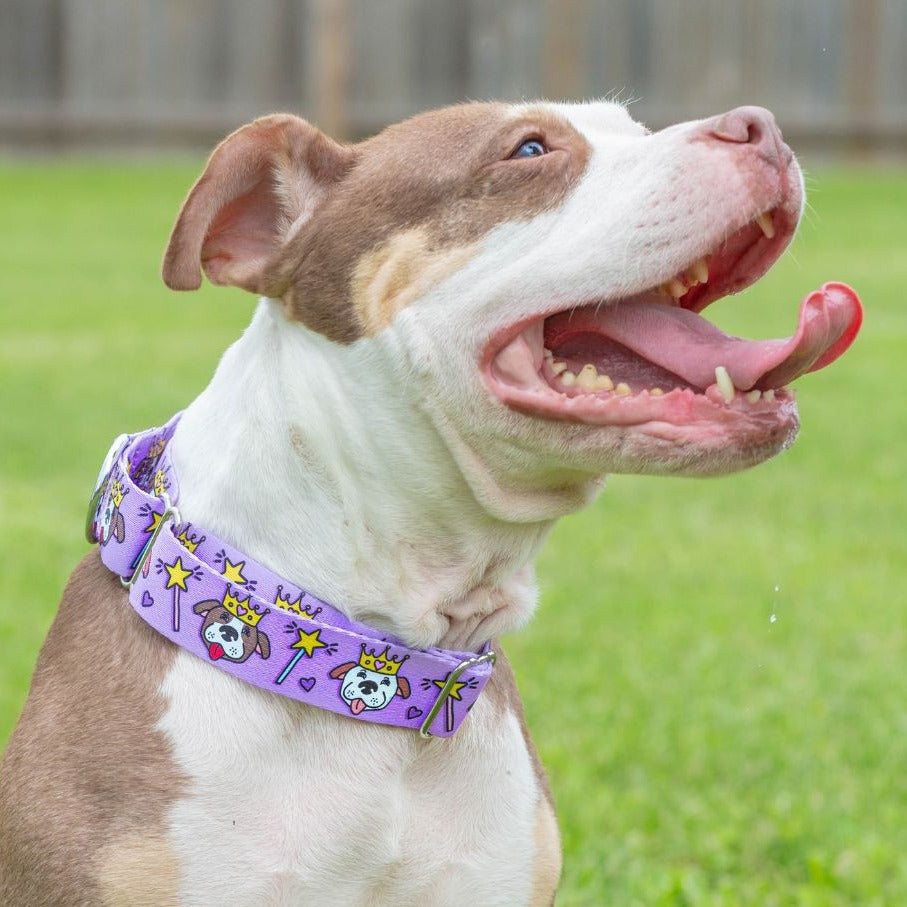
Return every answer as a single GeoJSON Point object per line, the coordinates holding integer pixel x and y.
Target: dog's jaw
{"type": "Point", "coordinates": [363, 507]}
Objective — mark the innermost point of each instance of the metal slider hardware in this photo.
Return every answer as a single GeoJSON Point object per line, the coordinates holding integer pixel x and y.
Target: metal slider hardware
{"type": "Point", "coordinates": [171, 513]}
{"type": "Point", "coordinates": [448, 687]}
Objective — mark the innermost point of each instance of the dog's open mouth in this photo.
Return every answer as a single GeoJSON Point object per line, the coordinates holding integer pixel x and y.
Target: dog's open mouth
{"type": "Point", "coordinates": [651, 356]}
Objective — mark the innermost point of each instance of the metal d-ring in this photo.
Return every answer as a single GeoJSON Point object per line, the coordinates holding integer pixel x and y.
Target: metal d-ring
{"type": "Point", "coordinates": [170, 513]}
{"type": "Point", "coordinates": [448, 687]}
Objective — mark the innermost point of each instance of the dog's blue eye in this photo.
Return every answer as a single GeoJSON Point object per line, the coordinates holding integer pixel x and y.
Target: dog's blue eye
{"type": "Point", "coordinates": [530, 148]}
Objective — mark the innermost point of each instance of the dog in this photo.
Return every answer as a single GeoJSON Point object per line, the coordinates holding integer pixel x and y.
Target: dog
{"type": "Point", "coordinates": [465, 323]}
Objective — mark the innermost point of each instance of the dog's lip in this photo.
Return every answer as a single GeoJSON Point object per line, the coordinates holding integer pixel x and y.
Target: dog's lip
{"type": "Point", "coordinates": [517, 372]}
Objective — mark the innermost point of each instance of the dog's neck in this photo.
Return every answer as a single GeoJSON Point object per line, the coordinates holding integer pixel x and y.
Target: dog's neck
{"type": "Point", "coordinates": [307, 457]}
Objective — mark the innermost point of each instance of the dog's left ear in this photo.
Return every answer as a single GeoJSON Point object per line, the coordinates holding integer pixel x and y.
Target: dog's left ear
{"type": "Point", "coordinates": [403, 690]}
{"type": "Point", "coordinates": [263, 647]}
{"type": "Point", "coordinates": [259, 186]}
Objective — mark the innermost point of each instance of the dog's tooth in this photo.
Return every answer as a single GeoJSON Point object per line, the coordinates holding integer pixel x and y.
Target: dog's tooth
{"type": "Point", "coordinates": [622, 389]}
{"type": "Point", "coordinates": [675, 288]}
{"type": "Point", "coordinates": [768, 395]}
{"type": "Point", "coordinates": [700, 270]}
{"type": "Point", "coordinates": [656, 392]}
{"type": "Point", "coordinates": [558, 367]}
{"type": "Point", "coordinates": [766, 224]}
{"type": "Point", "coordinates": [586, 377]}
{"type": "Point", "coordinates": [754, 396]}
{"type": "Point", "coordinates": [604, 383]}
{"type": "Point", "coordinates": [568, 379]}
{"type": "Point", "coordinates": [724, 382]}
{"type": "Point", "coordinates": [547, 353]}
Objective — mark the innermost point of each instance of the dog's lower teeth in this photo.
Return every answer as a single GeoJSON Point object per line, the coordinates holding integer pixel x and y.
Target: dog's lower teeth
{"type": "Point", "coordinates": [622, 389]}
{"type": "Point", "coordinates": [568, 379]}
{"type": "Point", "coordinates": [558, 367]}
{"type": "Point", "coordinates": [604, 383]}
{"type": "Point", "coordinates": [754, 396]}
{"type": "Point", "coordinates": [768, 395]}
{"type": "Point", "coordinates": [656, 392]}
{"type": "Point", "coordinates": [587, 377]}
{"type": "Point", "coordinates": [725, 384]}
{"type": "Point", "coordinates": [675, 288]}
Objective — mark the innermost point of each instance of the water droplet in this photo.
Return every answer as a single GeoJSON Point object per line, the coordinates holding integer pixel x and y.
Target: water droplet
{"type": "Point", "coordinates": [773, 618]}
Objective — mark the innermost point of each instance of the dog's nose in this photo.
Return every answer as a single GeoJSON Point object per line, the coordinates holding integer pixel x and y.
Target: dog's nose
{"type": "Point", "coordinates": [228, 633]}
{"type": "Point", "coordinates": [367, 686]}
{"type": "Point", "coordinates": [753, 126]}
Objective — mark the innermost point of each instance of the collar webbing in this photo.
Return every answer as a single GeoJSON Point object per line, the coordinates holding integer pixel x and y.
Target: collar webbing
{"type": "Point", "coordinates": [226, 608]}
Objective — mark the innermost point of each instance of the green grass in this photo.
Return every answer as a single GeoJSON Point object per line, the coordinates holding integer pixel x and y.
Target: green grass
{"type": "Point", "coordinates": [700, 753]}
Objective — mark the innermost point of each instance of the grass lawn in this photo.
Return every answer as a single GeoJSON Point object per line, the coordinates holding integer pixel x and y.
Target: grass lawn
{"type": "Point", "coordinates": [716, 674]}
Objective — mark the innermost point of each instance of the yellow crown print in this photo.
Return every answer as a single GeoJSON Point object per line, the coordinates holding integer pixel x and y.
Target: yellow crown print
{"type": "Point", "coordinates": [244, 608]}
{"type": "Point", "coordinates": [116, 493]}
{"type": "Point", "coordinates": [160, 483]}
{"type": "Point", "coordinates": [190, 542]}
{"type": "Point", "coordinates": [157, 448]}
{"type": "Point", "coordinates": [294, 605]}
{"type": "Point", "coordinates": [380, 664]}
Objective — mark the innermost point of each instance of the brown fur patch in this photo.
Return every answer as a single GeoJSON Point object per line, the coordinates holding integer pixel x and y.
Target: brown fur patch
{"type": "Point", "coordinates": [502, 690]}
{"type": "Point", "coordinates": [547, 866]}
{"type": "Point", "coordinates": [138, 871]}
{"type": "Point", "coordinates": [447, 176]}
{"type": "Point", "coordinates": [504, 695]}
{"type": "Point", "coordinates": [86, 766]}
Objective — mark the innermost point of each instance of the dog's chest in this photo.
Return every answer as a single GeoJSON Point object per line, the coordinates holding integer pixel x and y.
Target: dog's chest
{"type": "Point", "coordinates": [289, 806]}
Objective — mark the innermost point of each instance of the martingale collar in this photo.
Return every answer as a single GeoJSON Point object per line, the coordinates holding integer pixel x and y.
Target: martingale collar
{"type": "Point", "coordinates": [233, 612]}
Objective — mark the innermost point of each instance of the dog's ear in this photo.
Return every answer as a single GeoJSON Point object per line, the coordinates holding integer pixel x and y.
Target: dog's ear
{"type": "Point", "coordinates": [263, 646]}
{"type": "Point", "coordinates": [340, 670]}
{"type": "Point", "coordinates": [204, 607]}
{"type": "Point", "coordinates": [403, 690]}
{"type": "Point", "coordinates": [259, 186]}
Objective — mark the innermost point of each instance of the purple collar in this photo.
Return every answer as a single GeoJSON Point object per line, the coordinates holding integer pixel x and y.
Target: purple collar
{"type": "Point", "coordinates": [212, 600]}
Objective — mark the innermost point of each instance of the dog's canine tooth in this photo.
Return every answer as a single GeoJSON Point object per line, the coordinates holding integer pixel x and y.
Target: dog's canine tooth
{"type": "Point", "coordinates": [754, 396]}
{"type": "Point", "coordinates": [568, 379]}
{"type": "Point", "coordinates": [604, 383]}
{"type": "Point", "coordinates": [586, 377]}
{"type": "Point", "coordinates": [558, 367]}
{"type": "Point", "coordinates": [766, 224]}
{"type": "Point", "coordinates": [700, 270]}
{"type": "Point", "coordinates": [724, 382]}
{"type": "Point", "coordinates": [622, 389]}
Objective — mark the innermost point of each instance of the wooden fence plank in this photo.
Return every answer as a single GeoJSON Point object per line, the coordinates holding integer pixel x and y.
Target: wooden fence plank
{"type": "Point", "coordinates": [172, 68]}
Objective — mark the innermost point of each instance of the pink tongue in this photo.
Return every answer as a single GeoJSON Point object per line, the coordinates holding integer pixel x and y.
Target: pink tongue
{"type": "Point", "coordinates": [356, 706]}
{"type": "Point", "coordinates": [689, 346]}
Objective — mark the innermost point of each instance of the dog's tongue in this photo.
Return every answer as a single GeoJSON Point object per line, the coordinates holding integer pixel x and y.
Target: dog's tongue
{"type": "Point", "coordinates": [215, 651]}
{"type": "Point", "coordinates": [356, 706]}
{"type": "Point", "coordinates": [689, 346]}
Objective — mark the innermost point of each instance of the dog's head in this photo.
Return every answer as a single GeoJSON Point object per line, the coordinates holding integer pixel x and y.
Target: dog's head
{"type": "Point", "coordinates": [228, 636]}
{"type": "Point", "coordinates": [363, 689]}
{"type": "Point", "coordinates": [536, 273]}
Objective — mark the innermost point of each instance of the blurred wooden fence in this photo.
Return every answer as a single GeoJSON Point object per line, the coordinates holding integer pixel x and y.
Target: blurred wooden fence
{"type": "Point", "coordinates": [159, 72]}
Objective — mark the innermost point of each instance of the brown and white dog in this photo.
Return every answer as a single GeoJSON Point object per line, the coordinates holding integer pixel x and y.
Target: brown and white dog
{"type": "Point", "coordinates": [450, 353]}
